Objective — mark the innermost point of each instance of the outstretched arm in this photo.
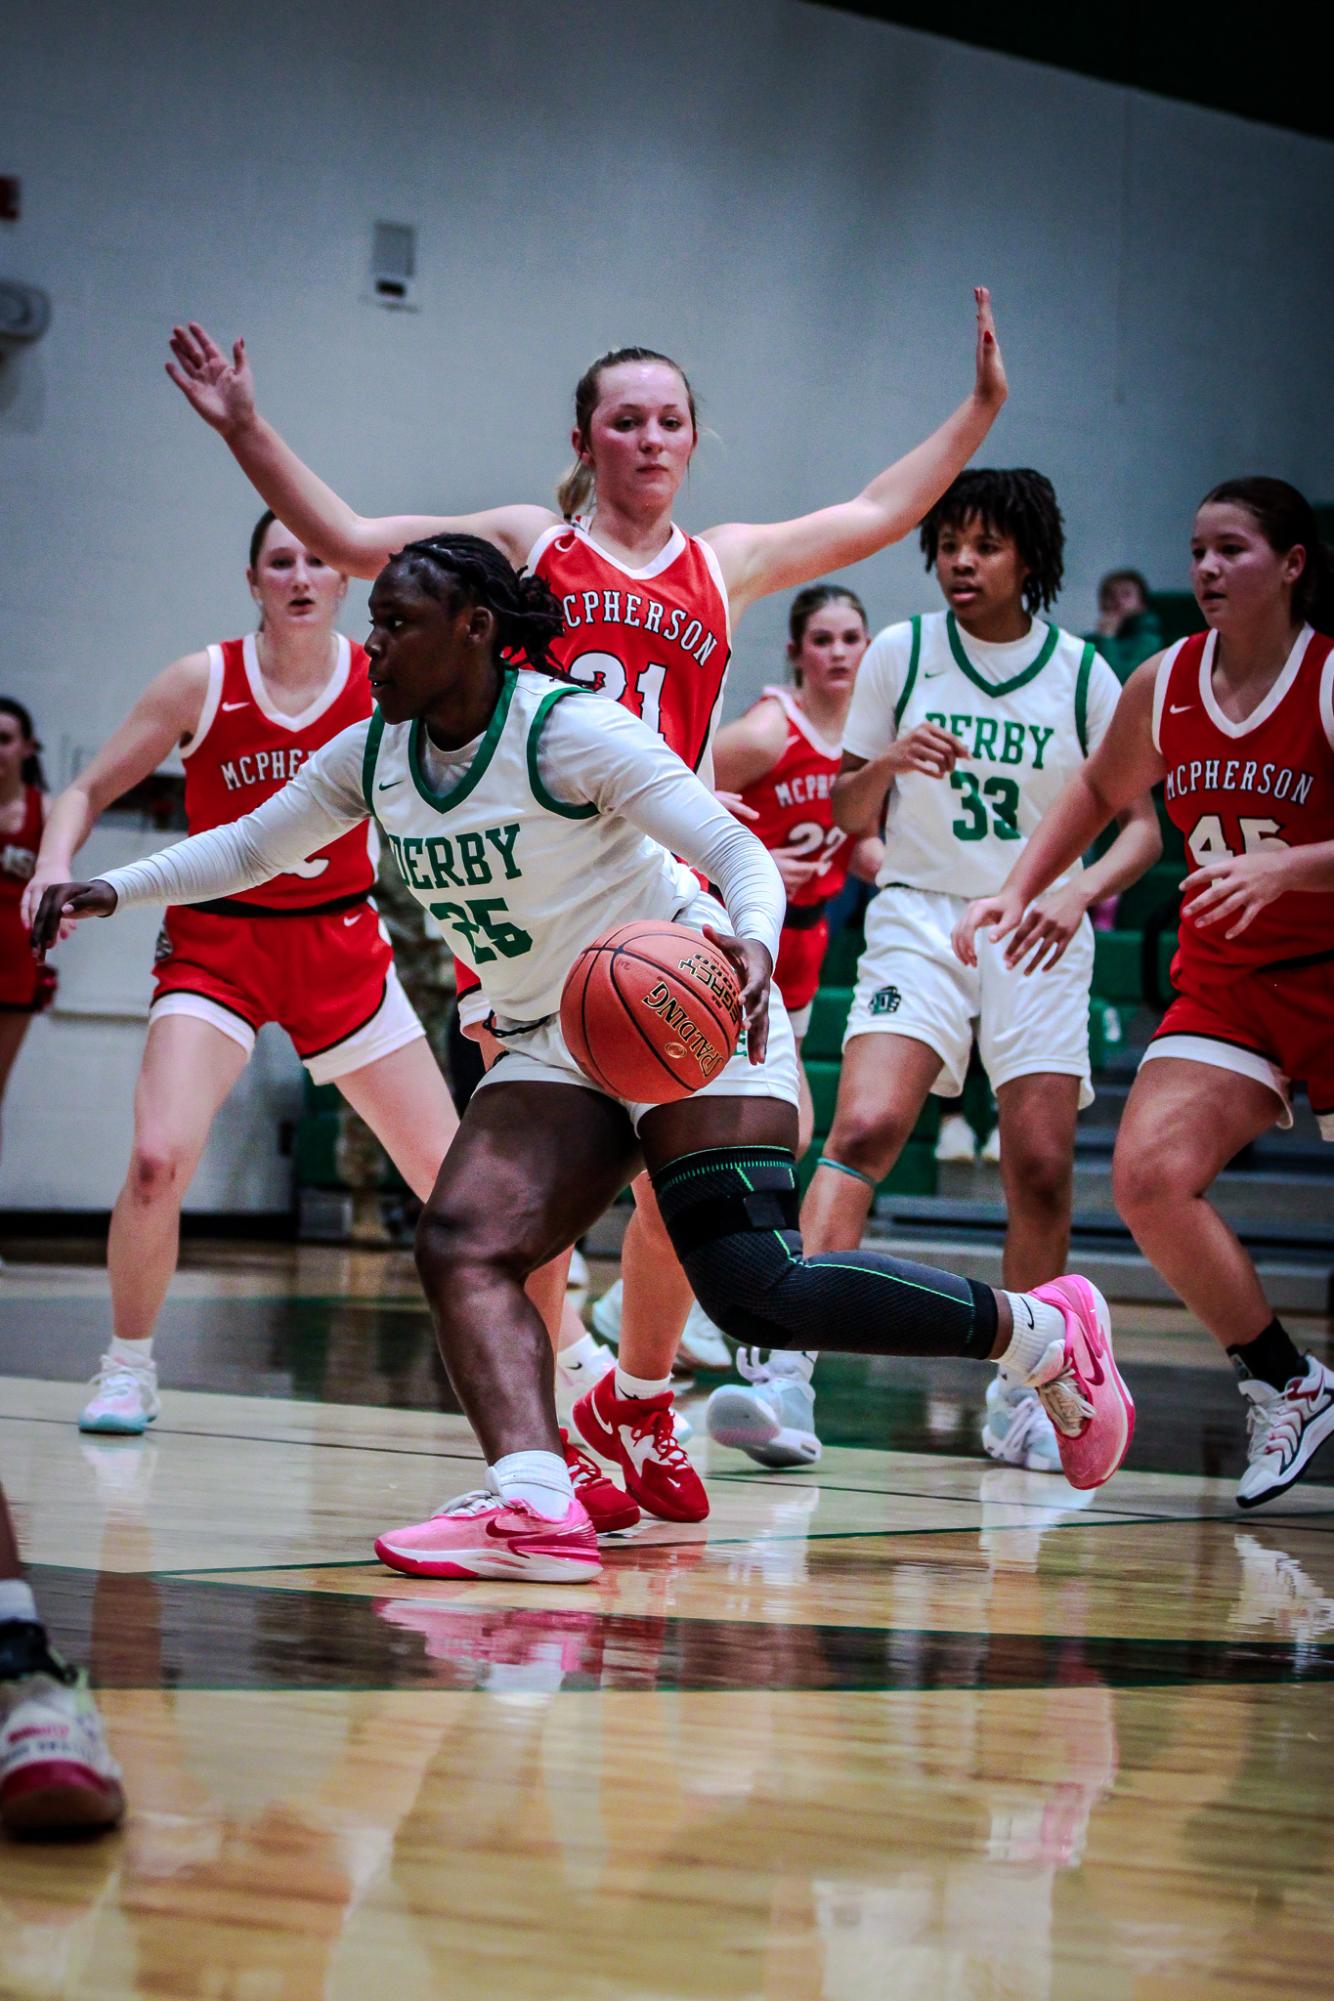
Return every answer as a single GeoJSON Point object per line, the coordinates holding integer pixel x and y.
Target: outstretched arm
{"type": "Point", "coordinates": [222, 392]}
{"type": "Point", "coordinates": [779, 555]}
{"type": "Point", "coordinates": [323, 801]}
{"type": "Point", "coordinates": [166, 714]}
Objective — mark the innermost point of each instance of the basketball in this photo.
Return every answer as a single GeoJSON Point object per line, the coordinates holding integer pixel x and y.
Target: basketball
{"type": "Point", "coordinates": [650, 1012]}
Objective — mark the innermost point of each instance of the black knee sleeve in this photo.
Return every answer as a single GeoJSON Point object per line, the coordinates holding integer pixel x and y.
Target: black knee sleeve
{"type": "Point", "coordinates": [732, 1215]}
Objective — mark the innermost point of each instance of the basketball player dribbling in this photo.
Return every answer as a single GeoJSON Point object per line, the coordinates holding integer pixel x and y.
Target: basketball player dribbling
{"type": "Point", "coordinates": [308, 952]}
{"type": "Point", "coordinates": [648, 614]}
{"type": "Point", "coordinates": [1238, 724]}
{"type": "Point", "coordinates": [566, 814]}
{"type": "Point", "coordinates": [964, 724]}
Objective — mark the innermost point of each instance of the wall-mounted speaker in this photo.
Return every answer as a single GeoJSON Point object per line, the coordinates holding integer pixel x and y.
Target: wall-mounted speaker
{"type": "Point", "coordinates": [394, 265]}
{"type": "Point", "coordinates": [25, 314]}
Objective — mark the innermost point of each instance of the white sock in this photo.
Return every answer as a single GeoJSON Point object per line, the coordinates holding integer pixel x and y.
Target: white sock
{"type": "Point", "coordinates": [134, 1354]}
{"type": "Point", "coordinates": [16, 1600]}
{"type": "Point", "coordinates": [640, 1386]}
{"type": "Point", "coordinates": [1036, 1325]}
{"type": "Point", "coordinates": [580, 1355]}
{"type": "Point", "coordinates": [540, 1478]}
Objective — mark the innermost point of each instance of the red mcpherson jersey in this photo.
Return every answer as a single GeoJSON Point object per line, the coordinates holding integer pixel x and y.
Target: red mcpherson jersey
{"type": "Point", "coordinates": [1234, 787]}
{"type": "Point", "coordinates": [656, 639]}
{"type": "Point", "coordinates": [792, 800]}
{"type": "Point", "coordinates": [245, 749]}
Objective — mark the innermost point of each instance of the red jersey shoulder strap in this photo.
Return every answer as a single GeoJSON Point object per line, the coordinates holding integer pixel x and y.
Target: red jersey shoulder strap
{"type": "Point", "coordinates": [1180, 665]}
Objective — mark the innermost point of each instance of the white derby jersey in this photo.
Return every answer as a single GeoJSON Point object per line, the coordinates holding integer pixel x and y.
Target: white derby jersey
{"type": "Point", "coordinates": [1030, 711]}
{"type": "Point", "coordinates": [518, 880]}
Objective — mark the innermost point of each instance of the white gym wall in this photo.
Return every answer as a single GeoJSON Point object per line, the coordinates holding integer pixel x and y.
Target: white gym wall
{"type": "Point", "coordinates": [794, 201]}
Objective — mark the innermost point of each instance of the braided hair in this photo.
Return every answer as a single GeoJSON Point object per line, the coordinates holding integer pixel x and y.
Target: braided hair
{"type": "Point", "coordinates": [1021, 503]}
{"type": "Point", "coordinates": [472, 571]}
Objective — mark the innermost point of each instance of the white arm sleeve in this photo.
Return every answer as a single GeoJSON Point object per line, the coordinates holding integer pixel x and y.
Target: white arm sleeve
{"type": "Point", "coordinates": [323, 801]}
{"type": "Point", "coordinates": [594, 751]}
{"type": "Point", "coordinates": [871, 726]}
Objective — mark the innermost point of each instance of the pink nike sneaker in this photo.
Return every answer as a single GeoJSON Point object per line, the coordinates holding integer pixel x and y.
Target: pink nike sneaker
{"type": "Point", "coordinates": [1080, 1386]}
{"type": "Point", "coordinates": [482, 1535]}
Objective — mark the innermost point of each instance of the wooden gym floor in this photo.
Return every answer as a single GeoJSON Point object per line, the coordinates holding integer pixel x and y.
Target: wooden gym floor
{"type": "Point", "coordinates": [912, 1725]}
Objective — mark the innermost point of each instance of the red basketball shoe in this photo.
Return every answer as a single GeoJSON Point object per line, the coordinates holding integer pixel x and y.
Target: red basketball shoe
{"type": "Point", "coordinates": [638, 1435]}
{"type": "Point", "coordinates": [607, 1506]}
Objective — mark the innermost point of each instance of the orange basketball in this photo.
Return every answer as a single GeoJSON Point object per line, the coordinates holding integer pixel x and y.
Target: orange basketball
{"type": "Point", "coordinates": [650, 1012]}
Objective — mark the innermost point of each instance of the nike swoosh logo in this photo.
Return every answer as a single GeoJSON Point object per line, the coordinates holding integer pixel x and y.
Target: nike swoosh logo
{"type": "Point", "coordinates": [1178, 708]}
{"type": "Point", "coordinates": [933, 674]}
{"type": "Point", "coordinates": [1092, 1370]}
{"type": "Point", "coordinates": [1028, 1310]}
{"type": "Point", "coordinates": [638, 1445]}
{"type": "Point", "coordinates": [355, 918]}
{"type": "Point", "coordinates": [227, 707]}
{"type": "Point", "coordinates": [516, 1538]}
{"type": "Point", "coordinates": [388, 784]}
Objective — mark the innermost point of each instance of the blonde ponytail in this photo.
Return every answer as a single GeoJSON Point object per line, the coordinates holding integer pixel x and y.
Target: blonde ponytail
{"type": "Point", "coordinates": [575, 490]}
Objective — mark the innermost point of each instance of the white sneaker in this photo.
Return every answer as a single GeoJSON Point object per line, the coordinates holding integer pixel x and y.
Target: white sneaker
{"type": "Point", "coordinates": [1017, 1430]}
{"type": "Point", "coordinates": [124, 1399]}
{"type": "Point", "coordinates": [702, 1345]}
{"type": "Point", "coordinates": [1286, 1428]}
{"type": "Point", "coordinates": [991, 1148]}
{"type": "Point", "coordinates": [956, 1142]}
{"type": "Point", "coordinates": [606, 1315]}
{"type": "Point", "coordinates": [56, 1774]}
{"type": "Point", "coordinates": [572, 1381]}
{"type": "Point", "coordinates": [772, 1421]}
{"type": "Point", "coordinates": [576, 1281]}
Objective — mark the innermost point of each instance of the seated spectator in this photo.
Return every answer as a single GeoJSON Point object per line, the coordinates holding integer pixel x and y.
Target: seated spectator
{"type": "Point", "coordinates": [1128, 628]}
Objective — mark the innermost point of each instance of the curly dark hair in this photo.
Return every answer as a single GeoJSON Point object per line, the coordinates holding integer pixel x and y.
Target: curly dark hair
{"type": "Point", "coordinates": [528, 617]}
{"type": "Point", "coordinates": [1018, 502]}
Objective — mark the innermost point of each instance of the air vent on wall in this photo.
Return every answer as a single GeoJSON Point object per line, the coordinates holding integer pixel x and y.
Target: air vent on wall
{"type": "Point", "coordinates": [394, 265]}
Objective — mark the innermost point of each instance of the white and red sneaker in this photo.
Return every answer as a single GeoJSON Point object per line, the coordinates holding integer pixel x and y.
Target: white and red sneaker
{"type": "Point", "coordinates": [483, 1535]}
{"type": "Point", "coordinates": [57, 1775]}
{"type": "Point", "coordinates": [1080, 1387]}
{"type": "Point", "coordinates": [638, 1434]}
{"type": "Point", "coordinates": [607, 1506]}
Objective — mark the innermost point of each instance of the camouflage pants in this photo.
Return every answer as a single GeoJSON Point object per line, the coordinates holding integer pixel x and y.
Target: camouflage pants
{"type": "Point", "coordinates": [426, 968]}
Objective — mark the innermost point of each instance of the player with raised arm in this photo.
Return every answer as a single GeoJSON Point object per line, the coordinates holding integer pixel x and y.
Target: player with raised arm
{"type": "Point", "coordinates": [1237, 724]}
{"type": "Point", "coordinates": [307, 951]}
{"type": "Point", "coordinates": [649, 613]}
{"type": "Point", "coordinates": [524, 812]}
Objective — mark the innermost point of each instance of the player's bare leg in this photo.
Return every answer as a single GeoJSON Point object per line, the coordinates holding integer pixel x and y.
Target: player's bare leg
{"type": "Point", "coordinates": [1182, 1124]}
{"type": "Point", "coordinates": [881, 1090]}
{"type": "Point", "coordinates": [189, 1070]}
{"type": "Point", "coordinates": [13, 1028]}
{"type": "Point", "coordinates": [1037, 1128]}
{"type": "Point", "coordinates": [405, 1101]}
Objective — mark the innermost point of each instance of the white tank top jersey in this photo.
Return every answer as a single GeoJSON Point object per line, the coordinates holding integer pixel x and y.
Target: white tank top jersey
{"type": "Point", "coordinates": [561, 821]}
{"type": "Point", "coordinates": [1029, 710]}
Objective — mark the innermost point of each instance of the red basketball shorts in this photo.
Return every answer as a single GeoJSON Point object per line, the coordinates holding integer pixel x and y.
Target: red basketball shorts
{"type": "Point", "coordinates": [1276, 1026]}
{"type": "Point", "coordinates": [327, 978]}
{"type": "Point", "coordinates": [801, 951]}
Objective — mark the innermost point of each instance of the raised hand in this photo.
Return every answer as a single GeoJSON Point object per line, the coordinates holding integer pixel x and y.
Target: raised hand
{"type": "Point", "coordinates": [64, 901]}
{"type": "Point", "coordinates": [222, 391]}
{"type": "Point", "coordinates": [991, 385]}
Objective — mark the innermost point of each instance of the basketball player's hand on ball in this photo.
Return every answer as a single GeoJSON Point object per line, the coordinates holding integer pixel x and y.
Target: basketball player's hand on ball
{"type": "Point", "coordinates": [1235, 888]}
{"type": "Point", "coordinates": [928, 749]}
{"type": "Point", "coordinates": [754, 970]}
{"type": "Point", "coordinates": [63, 901]}
{"type": "Point", "coordinates": [991, 387]}
{"type": "Point", "coordinates": [222, 391]}
{"type": "Point", "coordinates": [1001, 912]}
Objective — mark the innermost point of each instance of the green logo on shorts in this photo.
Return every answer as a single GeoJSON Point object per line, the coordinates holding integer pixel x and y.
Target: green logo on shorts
{"type": "Point", "coordinates": [886, 1000]}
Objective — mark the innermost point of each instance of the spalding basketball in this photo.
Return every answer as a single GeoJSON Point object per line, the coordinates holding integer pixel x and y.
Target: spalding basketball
{"type": "Point", "coordinates": [650, 1012]}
